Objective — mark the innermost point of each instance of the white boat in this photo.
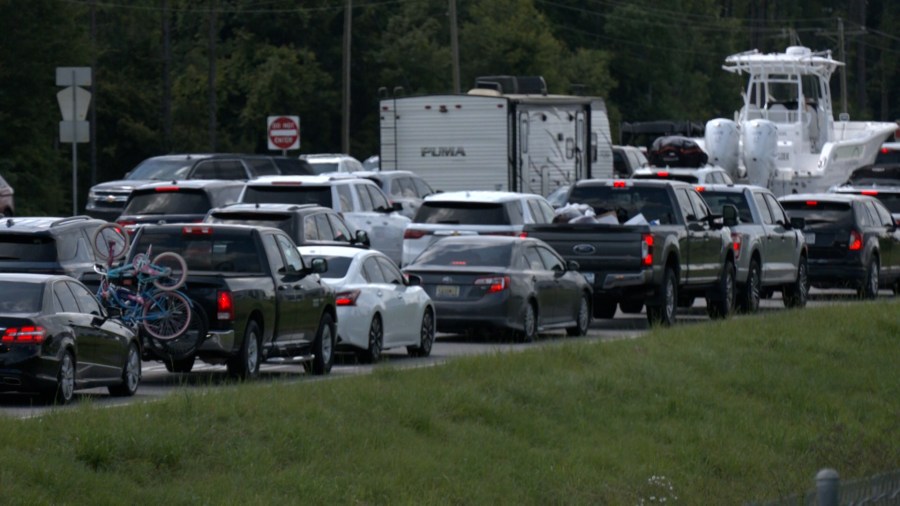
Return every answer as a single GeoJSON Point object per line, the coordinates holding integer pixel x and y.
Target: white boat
{"type": "Point", "coordinates": [785, 137]}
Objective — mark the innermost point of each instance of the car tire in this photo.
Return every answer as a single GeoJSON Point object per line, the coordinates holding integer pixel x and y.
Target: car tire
{"type": "Point", "coordinates": [426, 336]}
{"type": "Point", "coordinates": [631, 306]}
{"type": "Point", "coordinates": [64, 391]}
{"type": "Point", "coordinates": [529, 330]}
{"type": "Point", "coordinates": [604, 308]}
{"type": "Point", "coordinates": [749, 294]}
{"type": "Point", "coordinates": [582, 318]}
{"type": "Point", "coordinates": [869, 287]}
{"type": "Point", "coordinates": [721, 302]}
{"type": "Point", "coordinates": [796, 294]}
{"type": "Point", "coordinates": [323, 347]}
{"type": "Point", "coordinates": [182, 365]}
{"type": "Point", "coordinates": [666, 313]}
{"type": "Point", "coordinates": [245, 365]}
{"type": "Point", "coordinates": [372, 354]}
{"type": "Point", "coordinates": [131, 374]}
{"type": "Point", "coordinates": [686, 301]}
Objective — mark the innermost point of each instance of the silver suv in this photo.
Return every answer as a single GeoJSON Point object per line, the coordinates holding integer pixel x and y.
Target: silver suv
{"type": "Point", "coordinates": [322, 163]}
{"type": "Point", "coordinates": [360, 201]}
{"type": "Point", "coordinates": [472, 213]}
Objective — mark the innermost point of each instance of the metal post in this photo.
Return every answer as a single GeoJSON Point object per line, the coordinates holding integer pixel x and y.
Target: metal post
{"type": "Point", "coordinates": [345, 123]}
{"type": "Point", "coordinates": [74, 146]}
{"type": "Point", "coordinates": [843, 68]}
{"type": "Point", "coordinates": [827, 487]}
{"type": "Point", "coordinates": [454, 46]}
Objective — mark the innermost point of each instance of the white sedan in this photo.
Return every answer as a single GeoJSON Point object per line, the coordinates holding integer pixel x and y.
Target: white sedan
{"type": "Point", "coordinates": [377, 308]}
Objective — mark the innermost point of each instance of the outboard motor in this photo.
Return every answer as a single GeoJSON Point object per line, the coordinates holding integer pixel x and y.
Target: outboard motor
{"type": "Point", "coordinates": [760, 139]}
{"type": "Point", "coordinates": [722, 141]}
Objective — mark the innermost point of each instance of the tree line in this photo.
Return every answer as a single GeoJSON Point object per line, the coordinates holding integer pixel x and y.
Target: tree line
{"type": "Point", "coordinates": [202, 75]}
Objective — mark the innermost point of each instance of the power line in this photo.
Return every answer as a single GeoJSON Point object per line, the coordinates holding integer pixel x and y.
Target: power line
{"type": "Point", "coordinates": [234, 10]}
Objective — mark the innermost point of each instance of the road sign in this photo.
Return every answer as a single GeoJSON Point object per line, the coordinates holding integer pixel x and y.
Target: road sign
{"type": "Point", "coordinates": [73, 103]}
{"type": "Point", "coordinates": [283, 132]}
{"type": "Point", "coordinates": [73, 76]}
{"type": "Point", "coordinates": [74, 131]}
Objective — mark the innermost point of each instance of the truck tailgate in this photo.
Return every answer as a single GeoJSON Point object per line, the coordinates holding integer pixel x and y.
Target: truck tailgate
{"type": "Point", "coordinates": [596, 247]}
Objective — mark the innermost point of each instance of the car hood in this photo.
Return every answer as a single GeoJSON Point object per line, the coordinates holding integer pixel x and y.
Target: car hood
{"type": "Point", "coordinates": [121, 185]}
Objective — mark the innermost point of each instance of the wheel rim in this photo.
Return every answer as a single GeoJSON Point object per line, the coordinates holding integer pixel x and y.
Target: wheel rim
{"type": "Point", "coordinates": [802, 278]}
{"type": "Point", "coordinates": [873, 280]}
{"type": "Point", "coordinates": [67, 377]}
{"type": "Point", "coordinates": [529, 321]}
{"type": "Point", "coordinates": [376, 338]}
{"type": "Point", "coordinates": [729, 288]}
{"type": "Point", "coordinates": [427, 335]}
{"type": "Point", "coordinates": [252, 353]}
{"type": "Point", "coordinates": [326, 344]}
{"type": "Point", "coordinates": [753, 289]}
{"type": "Point", "coordinates": [670, 299]}
{"type": "Point", "coordinates": [583, 315]}
{"type": "Point", "coordinates": [132, 369]}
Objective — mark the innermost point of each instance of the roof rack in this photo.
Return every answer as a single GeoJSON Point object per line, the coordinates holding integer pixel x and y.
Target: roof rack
{"type": "Point", "coordinates": [70, 219]}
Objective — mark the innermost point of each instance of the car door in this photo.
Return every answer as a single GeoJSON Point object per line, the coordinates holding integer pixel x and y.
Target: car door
{"type": "Point", "coordinates": [401, 306]}
{"type": "Point", "coordinates": [786, 251]}
{"type": "Point", "coordinates": [111, 346]}
{"type": "Point", "coordinates": [705, 246]}
{"type": "Point", "coordinates": [565, 293]}
{"type": "Point", "coordinates": [88, 345]}
{"type": "Point", "coordinates": [286, 325]}
{"type": "Point", "coordinates": [890, 256]}
{"type": "Point", "coordinates": [691, 237]}
{"type": "Point", "coordinates": [885, 245]}
{"type": "Point", "coordinates": [388, 226]}
{"type": "Point", "coordinates": [541, 278]}
{"type": "Point", "coordinates": [306, 291]}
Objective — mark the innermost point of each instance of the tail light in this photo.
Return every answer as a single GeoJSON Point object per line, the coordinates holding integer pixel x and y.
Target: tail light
{"type": "Point", "coordinates": [126, 223]}
{"type": "Point", "coordinates": [347, 298]}
{"type": "Point", "coordinates": [871, 193]}
{"type": "Point", "coordinates": [494, 284]}
{"type": "Point", "coordinates": [647, 249]}
{"type": "Point", "coordinates": [619, 184]}
{"type": "Point", "coordinates": [855, 241]}
{"type": "Point", "coordinates": [411, 233]}
{"type": "Point", "coordinates": [224, 306]}
{"type": "Point", "coordinates": [196, 230]}
{"type": "Point", "coordinates": [736, 240]}
{"type": "Point", "coordinates": [523, 235]}
{"type": "Point", "coordinates": [662, 173]}
{"type": "Point", "coordinates": [31, 335]}
{"type": "Point", "coordinates": [167, 188]}
{"type": "Point", "coordinates": [700, 188]}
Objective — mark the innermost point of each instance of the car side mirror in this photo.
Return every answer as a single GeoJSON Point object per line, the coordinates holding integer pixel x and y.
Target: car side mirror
{"type": "Point", "coordinates": [572, 265]}
{"type": "Point", "coordinates": [798, 223]}
{"type": "Point", "coordinates": [396, 206]}
{"type": "Point", "coordinates": [729, 215]}
{"type": "Point", "coordinates": [318, 265]}
{"type": "Point", "coordinates": [362, 237]}
{"type": "Point", "coordinates": [413, 280]}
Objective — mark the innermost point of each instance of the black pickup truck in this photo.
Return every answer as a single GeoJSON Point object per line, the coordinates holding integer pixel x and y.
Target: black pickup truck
{"type": "Point", "coordinates": [682, 251]}
{"type": "Point", "coordinates": [256, 298]}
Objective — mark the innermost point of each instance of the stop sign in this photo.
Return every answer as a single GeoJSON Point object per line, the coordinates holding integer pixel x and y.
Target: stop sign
{"type": "Point", "coordinates": [283, 132]}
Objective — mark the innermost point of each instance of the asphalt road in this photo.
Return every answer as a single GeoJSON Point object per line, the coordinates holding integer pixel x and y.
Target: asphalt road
{"type": "Point", "coordinates": [157, 382]}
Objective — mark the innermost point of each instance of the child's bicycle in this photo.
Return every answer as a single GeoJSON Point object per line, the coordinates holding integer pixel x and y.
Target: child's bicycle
{"type": "Point", "coordinates": [154, 302]}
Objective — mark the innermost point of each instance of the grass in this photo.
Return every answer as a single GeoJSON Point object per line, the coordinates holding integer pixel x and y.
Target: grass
{"type": "Point", "coordinates": [719, 413]}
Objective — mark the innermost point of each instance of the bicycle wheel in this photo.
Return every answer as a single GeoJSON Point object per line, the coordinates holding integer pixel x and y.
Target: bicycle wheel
{"type": "Point", "coordinates": [110, 242]}
{"type": "Point", "coordinates": [166, 315]}
{"type": "Point", "coordinates": [172, 271]}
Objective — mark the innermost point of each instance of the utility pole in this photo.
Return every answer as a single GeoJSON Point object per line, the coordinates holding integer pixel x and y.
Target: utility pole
{"type": "Point", "coordinates": [94, 109]}
{"type": "Point", "coordinates": [454, 46]}
{"type": "Point", "coordinates": [167, 80]}
{"type": "Point", "coordinates": [212, 76]}
{"type": "Point", "coordinates": [844, 68]}
{"type": "Point", "coordinates": [345, 124]}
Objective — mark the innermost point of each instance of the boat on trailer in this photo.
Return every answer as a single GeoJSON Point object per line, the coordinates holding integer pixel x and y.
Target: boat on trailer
{"type": "Point", "coordinates": [785, 137]}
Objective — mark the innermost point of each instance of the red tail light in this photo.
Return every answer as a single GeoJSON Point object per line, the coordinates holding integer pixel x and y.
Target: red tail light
{"type": "Point", "coordinates": [126, 223]}
{"type": "Point", "coordinates": [224, 306]}
{"type": "Point", "coordinates": [411, 233]}
{"type": "Point", "coordinates": [855, 241]}
{"type": "Point", "coordinates": [196, 230]}
{"type": "Point", "coordinates": [662, 174]}
{"type": "Point", "coordinates": [167, 188]}
{"type": "Point", "coordinates": [523, 235]}
{"type": "Point", "coordinates": [494, 284]}
{"type": "Point", "coordinates": [647, 249]}
{"type": "Point", "coordinates": [736, 240]}
{"type": "Point", "coordinates": [885, 151]}
{"type": "Point", "coordinates": [812, 203]}
{"type": "Point", "coordinates": [870, 193]}
{"type": "Point", "coordinates": [31, 335]}
{"type": "Point", "coordinates": [700, 188]}
{"type": "Point", "coordinates": [347, 298]}
{"type": "Point", "coordinates": [619, 184]}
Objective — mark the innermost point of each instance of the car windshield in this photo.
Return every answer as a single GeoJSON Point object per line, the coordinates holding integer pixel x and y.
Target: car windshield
{"type": "Point", "coordinates": [277, 220]}
{"type": "Point", "coordinates": [686, 178]}
{"type": "Point", "coordinates": [19, 297]}
{"type": "Point", "coordinates": [293, 167]}
{"type": "Point", "coordinates": [323, 167]}
{"type": "Point", "coordinates": [717, 200]}
{"type": "Point", "coordinates": [219, 251]}
{"type": "Point", "coordinates": [161, 169]}
{"type": "Point", "coordinates": [462, 213]}
{"type": "Point", "coordinates": [337, 266]}
{"type": "Point", "coordinates": [298, 194]}
{"type": "Point", "coordinates": [890, 201]}
{"type": "Point", "coordinates": [881, 176]}
{"type": "Point", "coordinates": [821, 215]}
{"type": "Point", "coordinates": [626, 201]}
{"type": "Point", "coordinates": [175, 202]}
{"type": "Point", "coordinates": [27, 247]}
{"type": "Point", "coordinates": [467, 254]}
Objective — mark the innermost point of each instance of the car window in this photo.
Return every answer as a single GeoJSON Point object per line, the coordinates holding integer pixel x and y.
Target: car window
{"type": "Point", "coordinates": [174, 202]}
{"type": "Point", "coordinates": [884, 215]}
{"type": "Point", "coordinates": [462, 213]}
{"type": "Point", "coordinates": [516, 212]}
{"type": "Point", "coordinates": [19, 297]}
{"type": "Point", "coordinates": [423, 188]}
{"type": "Point", "coordinates": [65, 298]}
{"type": "Point", "coordinates": [534, 211]}
{"type": "Point", "coordinates": [533, 259]}
{"type": "Point", "coordinates": [684, 202]}
{"type": "Point", "coordinates": [379, 201]}
{"type": "Point", "coordinates": [288, 194]}
{"type": "Point", "coordinates": [219, 169]}
{"type": "Point", "coordinates": [86, 301]}
{"type": "Point", "coordinates": [372, 272]}
{"type": "Point", "coordinates": [365, 200]}
{"type": "Point", "coordinates": [391, 273]}
{"type": "Point", "coordinates": [775, 210]}
{"type": "Point", "coordinates": [310, 229]}
{"type": "Point", "coordinates": [407, 187]}
{"type": "Point", "coordinates": [276, 261]}
{"type": "Point", "coordinates": [821, 215]}
{"type": "Point", "coordinates": [444, 253]}
{"type": "Point", "coordinates": [341, 232]}
{"type": "Point", "coordinates": [718, 199]}
{"type": "Point", "coordinates": [763, 208]}
{"type": "Point", "coordinates": [867, 216]}
{"type": "Point", "coordinates": [292, 257]}
{"type": "Point", "coordinates": [552, 261]}
{"type": "Point", "coordinates": [345, 197]}
{"type": "Point", "coordinates": [324, 228]}
{"type": "Point", "coordinates": [547, 211]}
{"type": "Point", "coordinates": [263, 167]}
{"type": "Point", "coordinates": [701, 211]}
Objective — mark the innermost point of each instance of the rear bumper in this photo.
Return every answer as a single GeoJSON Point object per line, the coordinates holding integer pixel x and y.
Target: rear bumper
{"type": "Point", "coordinates": [219, 342]}
{"type": "Point", "coordinates": [831, 274]}
{"type": "Point", "coordinates": [502, 312]}
{"type": "Point", "coordinates": [33, 374]}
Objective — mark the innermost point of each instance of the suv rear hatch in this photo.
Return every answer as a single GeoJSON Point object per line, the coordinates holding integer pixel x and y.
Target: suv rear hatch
{"type": "Point", "coordinates": [288, 192]}
{"type": "Point", "coordinates": [830, 228]}
{"type": "Point", "coordinates": [436, 220]}
{"type": "Point", "coordinates": [29, 252]}
{"type": "Point", "coordinates": [167, 204]}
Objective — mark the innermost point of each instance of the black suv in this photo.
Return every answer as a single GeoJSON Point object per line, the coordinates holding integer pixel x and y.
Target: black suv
{"type": "Point", "coordinates": [882, 183]}
{"type": "Point", "coordinates": [307, 224]}
{"type": "Point", "coordinates": [107, 200]}
{"type": "Point", "coordinates": [853, 241]}
{"type": "Point", "coordinates": [49, 245]}
{"type": "Point", "coordinates": [177, 201]}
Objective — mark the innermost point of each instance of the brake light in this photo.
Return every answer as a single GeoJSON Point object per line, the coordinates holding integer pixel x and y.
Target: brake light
{"type": "Point", "coordinates": [619, 184]}
{"type": "Point", "coordinates": [167, 188]}
{"type": "Point", "coordinates": [736, 240]}
{"type": "Point", "coordinates": [700, 188]}
{"type": "Point", "coordinates": [812, 203]}
{"type": "Point", "coordinates": [662, 174]}
{"type": "Point", "coordinates": [224, 306]}
{"type": "Point", "coordinates": [523, 235]}
{"type": "Point", "coordinates": [347, 298]}
{"type": "Point", "coordinates": [196, 230]}
{"type": "Point", "coordinates": [411, 233]}
{"type": "Point", "coordinates": [855, 241]}
{"type": "Point", "coordinates": [125, 223]}
{"type": "Point", "coordinates": [30, 334]}
{"type": "Point", "coordinates": [647, 249]}
{"type": "Point", "coordinates": [885, 151]}
{"type": "Point", "coordinates": [494, 284]}
{"type": "Point", "coordinates": [871, 193]}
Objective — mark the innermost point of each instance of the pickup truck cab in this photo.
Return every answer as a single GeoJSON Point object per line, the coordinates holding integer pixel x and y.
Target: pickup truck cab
{"type": "Point", "coordinates": [680, 249]}
{"type": "Point", "coordinates": [769, 248]}
{"type": "Point", "coordinates": [260, 299]}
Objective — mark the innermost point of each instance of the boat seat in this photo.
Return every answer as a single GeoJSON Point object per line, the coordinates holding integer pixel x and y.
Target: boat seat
{"type": "Point", "coordinates": [778, 113]}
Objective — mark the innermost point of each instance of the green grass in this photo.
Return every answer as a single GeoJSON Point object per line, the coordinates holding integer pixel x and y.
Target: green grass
{"type": "Point", "coordinates": [718, 413]}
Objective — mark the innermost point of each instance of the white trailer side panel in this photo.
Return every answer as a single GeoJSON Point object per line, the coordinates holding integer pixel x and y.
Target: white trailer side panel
{"type": "Point", "coordinates": [601, 141]}
{"type": "Point", "coordinates": [455, 142]}
{"type": "Point", "coordinates": [550, 146]}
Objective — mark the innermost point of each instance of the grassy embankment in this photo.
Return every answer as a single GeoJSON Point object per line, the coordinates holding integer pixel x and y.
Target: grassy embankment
{"type": "Point", "coordinates": [718, 413]}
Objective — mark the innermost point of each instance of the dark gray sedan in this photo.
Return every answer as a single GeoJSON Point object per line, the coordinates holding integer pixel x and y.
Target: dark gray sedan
{"type": "Point", "coordinates": [483, 283]}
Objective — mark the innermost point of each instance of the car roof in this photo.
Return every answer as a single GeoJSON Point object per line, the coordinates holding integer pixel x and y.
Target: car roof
{"type": "Point", "coordinates": [191, 184]}
{"type": "Point", "coordinates": [324, 179]}
{"type": "Point", "coordinates": [31, 278]}
{"type": "Point", "coordinates": [867, 189]}
{"type": "Point", "coordinates": [41, 223]}
{"type": "Point", "coordinates": [732, 188]}
{"type": "Point", "coordinates": [678, 170]}
{"type": "Point", "coordinates": [338, 251]}
{"type": "Point", "coordinates": [243, 207]}
{"type": "Point", "coordinates": [632, 182]}
{"type": "Point", "coordinates": [825, 197]}
{"type": "Point", "coordinates": [165, 227]}
{"type": "Point", "coordinates": [384, 174]}
{"type": "Point", "coordinates": [326, 157]}
{"type": "Point", "coordinates": [482, 239]}
{"type": "Point", "coordinates": [479, 196]}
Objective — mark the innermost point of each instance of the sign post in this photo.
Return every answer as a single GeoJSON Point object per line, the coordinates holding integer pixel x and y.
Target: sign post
{"type": "Point", "coordinates": [283, 133]}
{"type": "Point", "coordinates": [73, 104]}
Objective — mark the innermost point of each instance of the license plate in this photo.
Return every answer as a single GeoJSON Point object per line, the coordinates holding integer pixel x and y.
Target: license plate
{"type": "Point", "coordinates": [810, 238]}
{"type": "Point", "coordinates": [447, 291]}
{"type": "Point", "coordinates": [589, 276]}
